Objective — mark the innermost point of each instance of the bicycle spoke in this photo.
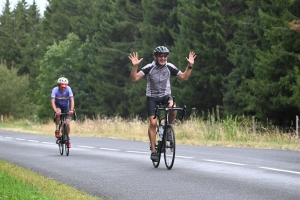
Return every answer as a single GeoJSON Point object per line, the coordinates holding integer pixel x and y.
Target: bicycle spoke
{"type": "Point", "coordinates": [169, 147]}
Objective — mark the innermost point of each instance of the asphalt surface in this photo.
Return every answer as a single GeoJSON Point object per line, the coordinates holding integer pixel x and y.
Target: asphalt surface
{"type": "Point", "coordinates": [121, 169]}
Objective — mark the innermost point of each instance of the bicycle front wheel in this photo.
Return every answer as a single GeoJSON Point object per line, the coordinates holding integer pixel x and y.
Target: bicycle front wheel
{"type": "Point", "coordinates": [66, 139]}
{"type": "Point", "coordinates": [61, 145]}
{"type": "Point", "coordinates": [170, 145]}
{"type": "Point", "coordinates": [158, 148]}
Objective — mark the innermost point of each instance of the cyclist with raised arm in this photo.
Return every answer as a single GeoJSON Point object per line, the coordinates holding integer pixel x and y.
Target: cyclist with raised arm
{"type": "Point", "coordinates": [62, 101]}
{"type": "Point", "coordinates": [158, 90]}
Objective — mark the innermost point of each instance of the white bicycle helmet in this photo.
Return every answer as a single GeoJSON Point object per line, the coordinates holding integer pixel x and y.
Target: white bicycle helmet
{"type": "Point", "coordinates": [63, 80]}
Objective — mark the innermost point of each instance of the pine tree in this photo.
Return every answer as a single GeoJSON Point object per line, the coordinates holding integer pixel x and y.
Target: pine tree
{"type": "Point", "coordinates": [268, 73]}
{"type": "Point", "coordinates": [203, 30]}
{"type": "Point", "coordinates": [8, 50]}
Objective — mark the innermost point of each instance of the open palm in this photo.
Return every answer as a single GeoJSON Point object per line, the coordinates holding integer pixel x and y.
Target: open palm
{"type": "Point", "coordinates": [135, 58]}
{"type": "Point", "coordinates": [191, 58]}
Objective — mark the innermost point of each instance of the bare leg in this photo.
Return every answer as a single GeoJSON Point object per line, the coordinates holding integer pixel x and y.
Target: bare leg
{"type": "Point", "coordinates": [57, 119]}
{"type": "Point", "coordinates": [68, 125]}
{"type": "Point", "coordinates": [151, 132]}
{"type": "Point", "coordinates": [173, 113]}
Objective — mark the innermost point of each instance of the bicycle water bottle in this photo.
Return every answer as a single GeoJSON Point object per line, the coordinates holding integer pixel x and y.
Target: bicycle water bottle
{"type": "Point", "coordinates": [161, 131]}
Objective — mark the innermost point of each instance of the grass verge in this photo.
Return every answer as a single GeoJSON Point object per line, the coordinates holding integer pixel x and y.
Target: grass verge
{"type": "Point", "coordinates": [18, 183]}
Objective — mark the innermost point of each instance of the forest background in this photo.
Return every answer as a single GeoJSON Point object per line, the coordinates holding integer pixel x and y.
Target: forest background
{"type": "Point", "coordinates": [248, 56]}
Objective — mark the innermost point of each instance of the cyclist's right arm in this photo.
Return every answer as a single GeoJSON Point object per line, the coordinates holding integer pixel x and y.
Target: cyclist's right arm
{"type": "Point", "coordinates": [53, 105]}
{"type": "Point", "coordinates": [135, 76]}
{"type": "Point", "coordinates": [53, 99]}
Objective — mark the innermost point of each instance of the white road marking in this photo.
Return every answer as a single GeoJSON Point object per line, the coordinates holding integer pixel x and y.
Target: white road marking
{"type": "Point", "coordinates": [48, 143]}
{"type": "Point", "coordinates": [218, 161]}
{"type": "Point", "coordinates": [184, 157]}
{"type": "Point", "coordinates": [89, 147]}
{"type": "Point", "coordinates": [110, 149]}
{"type": "Point", "coordinates": [33, 141]}
{"type": "Point", "coordinates": [137, 152]}
{"type": "Point", "coordinates": [20, 139]}
{"type": "Point", "coordinates": [280, 170]}
{"type": "Point", "coordinates": [141, 152]}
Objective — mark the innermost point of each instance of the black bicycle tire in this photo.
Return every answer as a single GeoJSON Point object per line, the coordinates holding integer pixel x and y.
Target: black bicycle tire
{"type": "Point", "coordinates": [158, 150]}
{"type": "Point", "coordinates": [170, 147]}
{"type": "Point", "coordinates": [61, 145]}
{"type": "Point", "coordinates": [66, 135]}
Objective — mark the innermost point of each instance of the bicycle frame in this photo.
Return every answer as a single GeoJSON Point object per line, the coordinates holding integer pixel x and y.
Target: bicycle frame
{"type": "Point", "coordinates": [63, 128]}
{"type": "Point", "coordinates": [166, 144]}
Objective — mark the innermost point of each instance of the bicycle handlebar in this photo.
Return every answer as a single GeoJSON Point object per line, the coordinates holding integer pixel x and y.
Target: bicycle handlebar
{"type": "Point", "coordinates": [74, 114]}
{"type": "Point", "coordinates": [166, 108]}
{"type": "Point", "coordinates": [183, 109]}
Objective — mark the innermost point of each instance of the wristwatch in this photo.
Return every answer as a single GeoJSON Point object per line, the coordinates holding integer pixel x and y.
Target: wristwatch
{"type": "Point", "coordinates": [190, 67]}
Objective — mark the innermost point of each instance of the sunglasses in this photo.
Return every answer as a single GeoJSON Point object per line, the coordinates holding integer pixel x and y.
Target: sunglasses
{"type": "Point", "coordinates": [162, 56]}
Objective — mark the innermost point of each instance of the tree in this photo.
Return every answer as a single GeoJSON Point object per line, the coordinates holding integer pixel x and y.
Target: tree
{"type": "Point", "coordinates": [62, 59]}
{"type": "Point", "coordinates": [8, 50]}
{"type": "Point", "coordinates": [268, 72]}
{"type": "Point", "coordinates": [14, 93]}
{"type": "Point", "coordinates": [206, 37]}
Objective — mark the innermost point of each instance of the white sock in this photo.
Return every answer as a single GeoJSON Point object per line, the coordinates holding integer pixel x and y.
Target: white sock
{"type": "Point", "coordinates": [57, 127]}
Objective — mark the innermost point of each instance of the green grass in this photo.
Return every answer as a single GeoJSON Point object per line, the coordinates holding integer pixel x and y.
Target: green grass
{"type": "Point", "coordinates": [18, 183]}
{"type": "Point", "coordinates": [14, 189]}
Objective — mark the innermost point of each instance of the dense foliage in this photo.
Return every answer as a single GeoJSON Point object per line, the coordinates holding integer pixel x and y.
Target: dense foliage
{"type": "Point", "coordinates": [247, 54]}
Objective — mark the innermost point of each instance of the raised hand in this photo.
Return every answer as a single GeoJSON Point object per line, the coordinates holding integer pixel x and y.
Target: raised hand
{"type": "Point", "coordinates": [135, 58]}
{"type": "Point", "coordinates": [191, 58]}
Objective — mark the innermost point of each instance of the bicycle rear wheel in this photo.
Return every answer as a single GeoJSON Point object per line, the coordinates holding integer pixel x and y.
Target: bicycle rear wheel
{"type": "Point", "coordinates": [169, 142]}
{"type": "Point", "coordinates": [158, 145]}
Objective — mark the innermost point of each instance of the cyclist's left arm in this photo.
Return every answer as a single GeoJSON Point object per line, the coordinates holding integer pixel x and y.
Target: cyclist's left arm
{"type": "Point", "coordinates": [72, 104]}
{"type": "Point", "coordinates": [176, 72]}
{"type": "Point", "coordinates": [186, 74]}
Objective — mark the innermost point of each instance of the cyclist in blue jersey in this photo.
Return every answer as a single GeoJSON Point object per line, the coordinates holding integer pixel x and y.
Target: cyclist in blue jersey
{"type": "Point", "coordinates": [62, 101]}
{"type": "Point", "coordinates": [158, 90]}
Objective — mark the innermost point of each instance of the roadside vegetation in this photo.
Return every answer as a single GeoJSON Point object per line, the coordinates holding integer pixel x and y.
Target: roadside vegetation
{"type": "Point", "coordinates": [18, 183]}
{"type": "Point", "coordinates": [212, 131]}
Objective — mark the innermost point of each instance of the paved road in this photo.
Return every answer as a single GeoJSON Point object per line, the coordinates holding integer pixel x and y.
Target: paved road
{"type": "Point", "coordinates": [122, 169]}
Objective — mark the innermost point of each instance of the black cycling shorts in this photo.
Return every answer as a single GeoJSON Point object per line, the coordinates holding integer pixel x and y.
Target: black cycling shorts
{"type": "Point", "coordinates": [64, 109]}
{"type": "Point", "coordinates": [152, 102]}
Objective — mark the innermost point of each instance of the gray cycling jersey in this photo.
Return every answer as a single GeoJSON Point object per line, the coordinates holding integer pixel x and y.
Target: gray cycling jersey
{"type": "Point", "coordinates": [158, 79]}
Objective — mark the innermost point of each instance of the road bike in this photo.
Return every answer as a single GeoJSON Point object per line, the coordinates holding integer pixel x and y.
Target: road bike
{"type": "Point", "coordinates": [165, 135]}
{"type": "Point", "coordinates": [64, 137]}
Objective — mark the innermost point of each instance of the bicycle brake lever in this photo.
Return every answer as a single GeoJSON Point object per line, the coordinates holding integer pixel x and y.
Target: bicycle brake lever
{"type": "Point", "coordinates": [183, 112]}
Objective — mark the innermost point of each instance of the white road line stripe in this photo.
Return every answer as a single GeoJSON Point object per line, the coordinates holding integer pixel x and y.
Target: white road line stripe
{"type": "Point", "coordinates": [231, 163]}
{"type": "Point", "coordinates": [110, 149]}
{"type": "Point", "coordinates": [89, 147]}
{"type": "Point", "coordinates": [48, 142]}
{"type": "Point", "coordinates": [33, 141]}
{"type": "Point", "coordinates": [136, 152]}
{"type": "Point", "coordinates": [8, 137]}
{"type": "Point", "coordinates": [280, 170]}
{"type": "Point", "coordinates": [184, 157]}
{"type": "Point", "coordinates": [20, 139]}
